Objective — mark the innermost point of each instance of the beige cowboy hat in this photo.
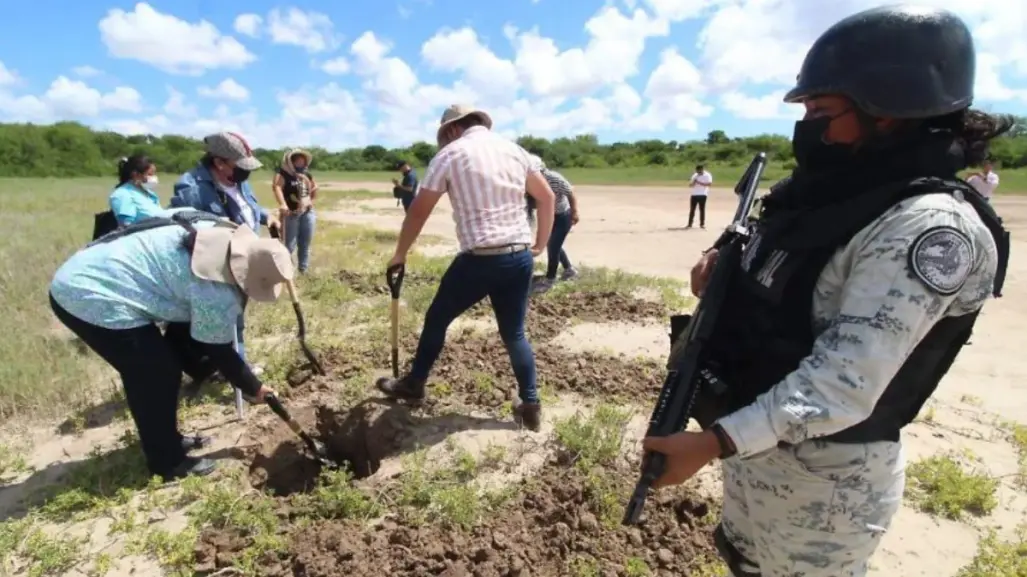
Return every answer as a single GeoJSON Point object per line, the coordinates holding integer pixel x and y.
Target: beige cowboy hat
{"type": "Point", "coordinates": [287, 157]}
{"type": "Point", "coordinates": [238, 256]}
{"type": "Point", "coordinates": [459, 111]}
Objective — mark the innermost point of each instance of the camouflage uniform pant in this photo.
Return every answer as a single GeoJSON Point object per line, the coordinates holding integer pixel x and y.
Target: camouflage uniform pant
{"type": "Point", "coordinates": [817, 509]}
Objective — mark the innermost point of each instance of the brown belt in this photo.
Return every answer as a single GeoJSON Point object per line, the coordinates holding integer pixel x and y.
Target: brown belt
{"type": "Point", "coordinates": [498, 250]}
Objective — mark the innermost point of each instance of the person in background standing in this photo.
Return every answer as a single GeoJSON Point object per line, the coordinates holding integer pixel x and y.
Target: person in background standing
{"type": "Point", "coordinates": [485, 176]}
{"type": "Point", "coordinates": [984, 182]}
{"type": "Point", "coordinates": [406, 189]}
{"type": "Point", "coordinates": [219, 184]}
{"type": "Point", "coordinates": [135, 197]}
{"type": "Point", "coordinates": [700, 183]}
{"type": "Point", "coordinates": [565, 216]}
{"type": "Point", "coordinates": [294, 189]}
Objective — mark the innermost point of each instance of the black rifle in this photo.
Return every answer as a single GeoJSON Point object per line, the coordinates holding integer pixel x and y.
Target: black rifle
{"type": "Point", "coordinates": [674, 407]}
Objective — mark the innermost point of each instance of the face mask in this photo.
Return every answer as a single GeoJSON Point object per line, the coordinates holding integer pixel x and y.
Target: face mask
{"type": "Point", "coordinates": [299, 169]}
{"type": "Point", "coordinates": [151, 183]}
{"type": "Point", "coordinates": [240, 175]}
{"type": "Point", "coordinates": [811, 152]}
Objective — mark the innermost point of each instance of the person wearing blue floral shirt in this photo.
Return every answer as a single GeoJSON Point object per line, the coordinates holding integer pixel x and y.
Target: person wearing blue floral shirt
{"type": "Point", "coordinates": [135, 198]}
{"type": "Point", "coordinates": [111, 294]}
{"type": "Point", "coordinates": [219, 184]}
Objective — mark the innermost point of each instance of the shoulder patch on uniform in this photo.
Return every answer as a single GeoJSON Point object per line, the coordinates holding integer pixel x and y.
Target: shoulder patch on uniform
{"type": "Point", "coordinates": [942, 258]}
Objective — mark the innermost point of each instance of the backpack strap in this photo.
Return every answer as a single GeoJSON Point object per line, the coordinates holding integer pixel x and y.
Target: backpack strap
{"type": "Point", "coordinates": [186, 219]}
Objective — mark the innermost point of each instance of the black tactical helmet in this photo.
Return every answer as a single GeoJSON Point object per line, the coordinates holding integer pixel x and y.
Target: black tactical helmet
{"type": "Point", "coordinates": [893, 61]}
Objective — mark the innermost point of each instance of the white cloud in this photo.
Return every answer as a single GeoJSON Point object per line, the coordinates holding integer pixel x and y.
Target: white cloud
{"type": "Point", "coordinates": [766, 107]}
{"type": "Point", "coordinates": [68, 99]}
{"type": "Point", "coordinates": [634, 73]}
{"type": "Point", "coordinates": [611, 56]}
{"type": "Point", "coordinates": [7, 76]}
{"type": "Point", "coordinates": [312, 31]}
{"type": "Point", "coordinates": [168, 43]}
{"type": "Point", "coordinates": [461, 51]}
{"type": "Point", "coordinates": [248, 24]}
{"type": "Point", "coordinates": [86, 71]}
{"type": "Point", "coordinates": [336, 66]}
{"type": "Point", "coordinates": [228, 89]}
{"type": "Point", "coordinates": [177, 106]}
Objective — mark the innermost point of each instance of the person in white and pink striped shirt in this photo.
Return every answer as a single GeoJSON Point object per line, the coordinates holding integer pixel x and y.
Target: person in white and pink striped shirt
{"type": "Point", "coordinates": [485, 176]}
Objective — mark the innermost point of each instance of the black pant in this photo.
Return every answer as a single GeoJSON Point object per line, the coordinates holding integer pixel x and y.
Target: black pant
{"type": "Point", "coordinates": [700, 201]}
{"type": "Point", "coordinates": [407, 200]}
{"type": "Point", "coordinates": [151, 374]}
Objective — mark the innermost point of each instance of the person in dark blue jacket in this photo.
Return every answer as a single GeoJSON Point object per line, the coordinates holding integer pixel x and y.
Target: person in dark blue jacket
{"type": "Point", "coordinates": [219, 184]}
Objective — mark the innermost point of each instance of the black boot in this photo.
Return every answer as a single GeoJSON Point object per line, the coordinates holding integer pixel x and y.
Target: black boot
{"type": "Point", "coordinates": [190, 466]}
{"type": "Point", "coordinates": [527, 415]}
{"type": "Point", "coordinates": [404, 388]}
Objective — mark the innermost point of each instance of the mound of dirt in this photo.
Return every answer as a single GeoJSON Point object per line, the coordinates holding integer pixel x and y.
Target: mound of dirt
{"type": "Point", "coordinates": [551, 528]}
{"type": "Point", "coordinates": [477, 369]}
{"type": "Point", "coordinates": [358, 439]}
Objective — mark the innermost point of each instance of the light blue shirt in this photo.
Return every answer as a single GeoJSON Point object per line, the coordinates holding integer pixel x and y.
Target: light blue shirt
{"type": "Point", "coordinates": [131, 204]}
{"type": "Point", "coordinates": [144, 278]}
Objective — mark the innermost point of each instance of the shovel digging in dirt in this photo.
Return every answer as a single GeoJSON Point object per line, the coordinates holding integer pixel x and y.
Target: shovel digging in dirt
{"type": "Point", "coordinates": [394, 278]}
{"type": "Point", "coordinates": [301, 333]}
{"type": "Point", "coordinates": [316, 447]}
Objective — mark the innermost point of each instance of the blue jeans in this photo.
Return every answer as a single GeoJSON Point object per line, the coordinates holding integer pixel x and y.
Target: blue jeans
{"type": "Point", "coordinates": [557, 256]}
{"type": "Point", "coordinates": [300, 227]}
{"type": "Point", "coordinates": [506, 280]}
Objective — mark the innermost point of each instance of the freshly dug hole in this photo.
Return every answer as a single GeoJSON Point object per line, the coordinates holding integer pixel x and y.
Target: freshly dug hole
{"type": "Point", "coordinates": [358, 440]}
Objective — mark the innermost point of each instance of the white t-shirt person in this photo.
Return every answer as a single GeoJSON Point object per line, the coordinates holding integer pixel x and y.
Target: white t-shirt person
{"type": "Point", "coordinates": [985, 182]}
{"type": "Point", "coordinates": [700, 183]}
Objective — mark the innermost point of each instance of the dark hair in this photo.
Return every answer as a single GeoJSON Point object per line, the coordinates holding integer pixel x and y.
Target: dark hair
{"type": "Point", "coordinates": [297, 155]}
{"type": "Point", "coordinates": [208, 160]}
{"type": "Point", "coordinates": [974, 130]}
{"type": "Point", "coordinates": [135, 164]}
{"type": "Point", "coordinates": [699, 167]}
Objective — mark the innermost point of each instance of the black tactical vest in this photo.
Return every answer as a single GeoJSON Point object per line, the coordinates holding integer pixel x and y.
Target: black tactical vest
{"type": "Point", "coordinates": [766, 327]}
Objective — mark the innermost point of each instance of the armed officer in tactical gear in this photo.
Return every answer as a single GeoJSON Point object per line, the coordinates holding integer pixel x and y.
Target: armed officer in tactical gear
{"type": "Point", "coordinates": [865, 273]}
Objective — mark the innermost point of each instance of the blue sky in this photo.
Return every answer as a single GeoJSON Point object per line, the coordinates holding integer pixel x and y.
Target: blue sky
{"type": "Point", "coordinates": [622, 69]}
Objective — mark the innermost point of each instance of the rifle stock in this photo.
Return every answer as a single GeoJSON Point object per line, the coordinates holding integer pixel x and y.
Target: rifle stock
{"type": "Point", "coordinates": [674, 405]}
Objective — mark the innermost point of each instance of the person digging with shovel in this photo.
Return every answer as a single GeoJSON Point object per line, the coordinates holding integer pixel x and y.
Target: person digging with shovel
{"type": "Point", "coordinates": [112, 293]}
{"type": "Point", "coordinates": [485, 176]}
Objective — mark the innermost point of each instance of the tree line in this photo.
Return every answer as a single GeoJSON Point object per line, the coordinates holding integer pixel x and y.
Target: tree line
{"type": "Point", "coordinates": [68, 149]}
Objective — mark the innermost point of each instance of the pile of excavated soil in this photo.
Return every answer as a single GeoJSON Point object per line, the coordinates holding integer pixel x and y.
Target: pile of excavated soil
{"type": "Point", "coordinates": [551, 527]}
{"type": "Point", "coordinates": [358, 439]}
{"type": "Point", "coordinates": [476, 369]}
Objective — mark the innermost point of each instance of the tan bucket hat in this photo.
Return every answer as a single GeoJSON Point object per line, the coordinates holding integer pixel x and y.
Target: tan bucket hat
{"type": "Point", "coordinates": [459, 111]}
{"type": "Point", "coordinates": [238, 256]}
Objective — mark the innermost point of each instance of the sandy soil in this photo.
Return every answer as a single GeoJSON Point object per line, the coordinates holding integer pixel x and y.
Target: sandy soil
{"type": "Point", "coordinates": [641, 230]}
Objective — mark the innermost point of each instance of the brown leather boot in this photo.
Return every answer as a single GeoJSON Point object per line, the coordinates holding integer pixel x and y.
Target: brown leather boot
{"type": "Point", "coordinates": [405, 388]}
{"type": "Point", "coordinates": [528, 415]}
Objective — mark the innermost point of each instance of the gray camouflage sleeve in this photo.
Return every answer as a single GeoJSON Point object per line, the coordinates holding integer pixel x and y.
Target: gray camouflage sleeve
{"type": "Point", "coordinates": [886, 308]}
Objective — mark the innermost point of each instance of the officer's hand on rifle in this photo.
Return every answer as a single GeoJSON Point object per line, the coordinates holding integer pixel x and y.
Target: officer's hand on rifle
{"type": "Point", "coordinates": [686, 453]}
{"type": "Point", "coordinates": [702, 270]}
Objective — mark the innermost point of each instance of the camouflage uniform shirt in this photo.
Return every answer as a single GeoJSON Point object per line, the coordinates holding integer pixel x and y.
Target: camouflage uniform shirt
{"type": "Point", "coordinates": [873, 303]}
